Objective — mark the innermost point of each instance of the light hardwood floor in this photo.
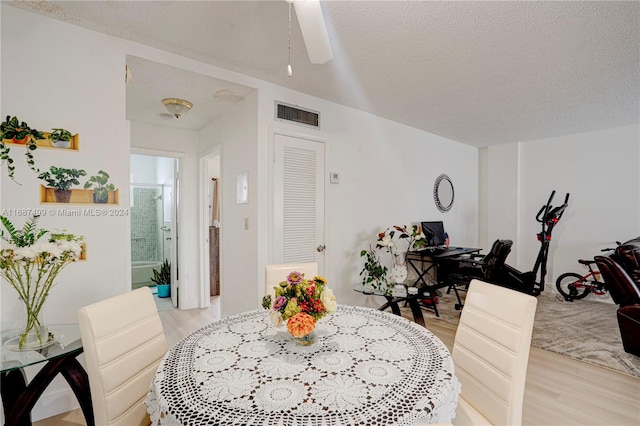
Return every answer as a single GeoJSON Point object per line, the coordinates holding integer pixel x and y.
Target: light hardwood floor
{"type": "Point", "coordinates": [559, 389]}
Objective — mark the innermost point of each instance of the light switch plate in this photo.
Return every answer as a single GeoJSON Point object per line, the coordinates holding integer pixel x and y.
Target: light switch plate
{"type": "Point", "coordinates": [334, 177]}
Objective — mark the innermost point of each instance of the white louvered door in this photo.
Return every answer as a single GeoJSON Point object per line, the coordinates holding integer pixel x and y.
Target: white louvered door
{"type": "Point", "coordinates": [298, 201]}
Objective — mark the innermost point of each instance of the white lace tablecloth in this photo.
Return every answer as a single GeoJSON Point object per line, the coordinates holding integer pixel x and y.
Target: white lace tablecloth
{"type": "Point", "coordinates": [367, 368]}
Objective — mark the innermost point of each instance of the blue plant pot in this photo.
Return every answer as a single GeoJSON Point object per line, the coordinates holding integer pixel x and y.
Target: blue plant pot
{"type": "Point", "coordinates": [164, 290]}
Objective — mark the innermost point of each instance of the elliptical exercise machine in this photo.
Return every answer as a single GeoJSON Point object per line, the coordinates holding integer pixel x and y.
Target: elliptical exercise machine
{"type": "Point", "coordinates": [526, 282]}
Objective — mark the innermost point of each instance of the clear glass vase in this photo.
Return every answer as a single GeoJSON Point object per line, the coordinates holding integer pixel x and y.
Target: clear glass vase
{"type": "Point", "coordinates": [307, 340]}
{"type": "Point", "coordinates": [399, 269]}
{"type": "Point", "coordinates": [34, 333]}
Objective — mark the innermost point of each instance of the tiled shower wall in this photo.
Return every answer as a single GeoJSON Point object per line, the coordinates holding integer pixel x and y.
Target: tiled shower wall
{"type": "Point", "coordinates": [146, 220]}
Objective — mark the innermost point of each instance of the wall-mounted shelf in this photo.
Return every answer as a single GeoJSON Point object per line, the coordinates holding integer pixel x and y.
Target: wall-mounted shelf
{"type": "Point", "coordinates": [78, 196]}
{"type": "Point", "coordinates": [46, 143]}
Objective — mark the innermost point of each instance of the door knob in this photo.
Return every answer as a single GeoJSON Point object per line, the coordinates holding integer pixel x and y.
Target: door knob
{"type": "Point", "coordinates": [321, 248]}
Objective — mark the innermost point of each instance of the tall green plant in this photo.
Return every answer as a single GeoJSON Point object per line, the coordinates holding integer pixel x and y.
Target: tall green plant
{"type": "Point", "coordinates": [164, 275]}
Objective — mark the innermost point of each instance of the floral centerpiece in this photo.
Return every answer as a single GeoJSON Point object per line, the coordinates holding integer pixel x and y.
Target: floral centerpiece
{"type": "Point", "coordinates": [300, 302]}
{"type": "Point", "coordinates": [30, 260]}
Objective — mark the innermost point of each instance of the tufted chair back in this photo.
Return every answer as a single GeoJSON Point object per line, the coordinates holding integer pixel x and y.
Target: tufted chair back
{"type": "Point", "coordinates": [628, 256]}
{"type": "Point", "coordinates": [123, 344]}
{"type": "Point", "coordinates": [622, 288]}
{"type": "Point", "coordinates": [491, 354]}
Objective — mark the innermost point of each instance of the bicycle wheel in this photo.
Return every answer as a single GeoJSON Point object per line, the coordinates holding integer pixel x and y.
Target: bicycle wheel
{"type": "Point", "coordinates": [572, 286]}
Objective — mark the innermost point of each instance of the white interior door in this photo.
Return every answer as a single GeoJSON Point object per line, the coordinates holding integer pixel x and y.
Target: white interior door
{"type": "Point", "coordinates": [298, 228]}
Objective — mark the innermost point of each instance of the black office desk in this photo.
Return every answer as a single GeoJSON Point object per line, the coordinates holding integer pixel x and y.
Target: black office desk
{"type": "Point", "coordinates": [426, 260]}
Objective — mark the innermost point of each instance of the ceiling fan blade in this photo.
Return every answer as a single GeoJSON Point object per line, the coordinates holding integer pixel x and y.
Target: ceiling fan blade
{"type": "Point", "coordinates": [314, 30]}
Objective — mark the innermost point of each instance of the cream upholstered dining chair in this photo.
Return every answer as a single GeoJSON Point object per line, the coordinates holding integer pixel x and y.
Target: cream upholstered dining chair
{"type": "Point", "coordinates": [491, 354]}
{"type": "Point", "coordinates": [274, 274]}
{"type": "Point", "coordinates": [123, 343]}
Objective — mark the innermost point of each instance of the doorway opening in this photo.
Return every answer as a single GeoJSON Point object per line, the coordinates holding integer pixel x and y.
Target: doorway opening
{"type": "Point", "coordinates": [211, 228]}
{"type": "Point", "coordinates": [154, 227]}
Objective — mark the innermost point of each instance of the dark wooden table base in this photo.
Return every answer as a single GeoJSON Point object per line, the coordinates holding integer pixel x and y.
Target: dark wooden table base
{"type": "Point", "coordinates": [18, 397]}
{"type": "Point", "coordinates": [414, 304]}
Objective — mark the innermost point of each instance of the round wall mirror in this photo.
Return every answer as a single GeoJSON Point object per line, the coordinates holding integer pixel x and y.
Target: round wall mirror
{"type": "Point", "coordinates": [443, 193]}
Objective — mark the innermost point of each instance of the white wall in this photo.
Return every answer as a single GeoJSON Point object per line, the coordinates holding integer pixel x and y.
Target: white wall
{"type": "Point", "coordinates": [143, 169]}
{"type": "Point", "coordinates": [387, 175]}
{"type": "Point", "coordinates": [387, 171]}
{"type": "Point", "coordinates": [82, 92]}
{"type": "Point", "coordinates": [236, 132]}
{"type": "Point", "coordinates": [483, 199]}
{"type": "Point", "coordinates": [502, 193]}
{"type": "Point", "coordinates": [600, 171]}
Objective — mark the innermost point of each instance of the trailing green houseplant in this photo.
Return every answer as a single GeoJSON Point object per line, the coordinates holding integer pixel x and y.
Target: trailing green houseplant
{"type": "Point", "coordinates": [101, 187]}
{"type": "Point", "coordinates": [62, 180]}
{"type": "Point", "coordinates": [18, 132]}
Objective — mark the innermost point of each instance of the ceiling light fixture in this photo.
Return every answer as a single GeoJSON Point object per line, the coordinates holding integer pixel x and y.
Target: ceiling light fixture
{"type": "Point", "coordinates": [176, 106]}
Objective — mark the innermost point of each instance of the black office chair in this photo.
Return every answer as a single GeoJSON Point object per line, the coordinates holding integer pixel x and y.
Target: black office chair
{"type": "Point", "coordinates": [489, 267]}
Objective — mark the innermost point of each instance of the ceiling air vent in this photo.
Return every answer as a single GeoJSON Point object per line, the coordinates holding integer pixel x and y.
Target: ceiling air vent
{"type": "Point", "coordinates": [285, 112]}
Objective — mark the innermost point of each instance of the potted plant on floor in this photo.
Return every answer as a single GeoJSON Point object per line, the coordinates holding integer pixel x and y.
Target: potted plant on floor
{"type": "Point", "coordinates": [60, 138]}
{"type": "Point", "coordinates": [162, 279]}
{"type": "Point", "coordinates": [62, 180]}
{"type": "Point", "coordinates": [18, 132]}
{"type": "Point", "coordinates": [101, 187]}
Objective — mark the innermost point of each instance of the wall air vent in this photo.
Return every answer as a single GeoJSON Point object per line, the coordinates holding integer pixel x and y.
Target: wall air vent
{"type": "Point", "coordinates": [291, 113]}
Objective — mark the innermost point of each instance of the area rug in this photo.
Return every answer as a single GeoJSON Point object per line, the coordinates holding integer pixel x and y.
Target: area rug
{"type": "Point", "coordinates": [584, 330]}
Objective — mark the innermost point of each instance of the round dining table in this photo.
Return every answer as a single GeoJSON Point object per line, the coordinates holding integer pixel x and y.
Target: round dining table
{"type": "Point", "coordinates": [367, 367]}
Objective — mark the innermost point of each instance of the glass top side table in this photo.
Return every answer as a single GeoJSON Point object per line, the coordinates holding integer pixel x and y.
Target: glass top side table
{"type": "Point", "coordinates": [413, 300]}
{"type": "Point", "coordinates": [18, 397]}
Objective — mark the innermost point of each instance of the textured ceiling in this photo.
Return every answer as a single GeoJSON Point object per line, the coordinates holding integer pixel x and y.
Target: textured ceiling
{"type": "Point", "coordinates": [151, 82]}
{"type": "Point", "coordinates": [479, 72]}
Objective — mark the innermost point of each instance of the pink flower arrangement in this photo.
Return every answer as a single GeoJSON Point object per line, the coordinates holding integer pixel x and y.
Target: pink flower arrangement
{"type": "Point", "coordinates": [300, 302]}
